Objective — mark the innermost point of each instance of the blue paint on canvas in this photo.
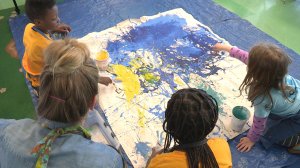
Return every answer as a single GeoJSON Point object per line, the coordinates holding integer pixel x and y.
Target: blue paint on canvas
{"type": "Point", "coordinates": [143, 149]}
{"type": "Point", "coordinates": [164, 53]}
{"type": "Point", "coordinates": [159, 36]}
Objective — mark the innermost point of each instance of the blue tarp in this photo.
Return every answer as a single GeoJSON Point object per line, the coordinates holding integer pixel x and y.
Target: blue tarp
{"type": "Point", "coordinates": [87, 16]}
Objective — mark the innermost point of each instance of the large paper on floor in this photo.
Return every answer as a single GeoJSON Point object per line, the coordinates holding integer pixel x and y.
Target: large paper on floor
{"type": "Point", "coordinates": [153, 57]}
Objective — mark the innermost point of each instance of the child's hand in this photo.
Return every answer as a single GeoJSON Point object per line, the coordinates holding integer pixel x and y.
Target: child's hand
{"type": "Point", "coordinates": [222, 47]}
{"type": "Point", "coordinates": [62, 28]}
{"type": "Point", "coordinates": [105, 80]}
{"type": "Point", "coordinates": [245, 145]}
{"type": "Point", "coordinates": [158, 149]}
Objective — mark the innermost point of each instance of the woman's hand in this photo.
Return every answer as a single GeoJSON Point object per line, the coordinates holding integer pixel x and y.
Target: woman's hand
{"type": "Point", "coordinates": [245, 145]}
{"type": "Point", "coordinates": [222, 47]}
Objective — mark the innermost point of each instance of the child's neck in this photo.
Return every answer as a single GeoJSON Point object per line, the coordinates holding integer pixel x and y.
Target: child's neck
{"type": "Point", "coordinates": [43, 30]}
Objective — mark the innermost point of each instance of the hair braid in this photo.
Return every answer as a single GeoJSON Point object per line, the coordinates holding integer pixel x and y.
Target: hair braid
{"type": "Point", "coordinates": [190, 116]}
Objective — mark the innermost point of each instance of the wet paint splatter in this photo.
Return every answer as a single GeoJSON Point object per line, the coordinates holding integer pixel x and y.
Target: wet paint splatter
{"type": "Point", "coordinates": [153, 58]}
{"type": "Point", "coordinates": [180, 49]}
{"type": "Point", "coordinates": [151, 78]}
{"type": "Point", "coordinates": [179, 81]}
{"type": "Point", "coordinates": [143, 148]}
{"type": "Point", "coordinates": [141, 120]}
{"type": "Point", "coordinates": [219, 97]}
{"type": "Point", "coordinates": [130, 81]}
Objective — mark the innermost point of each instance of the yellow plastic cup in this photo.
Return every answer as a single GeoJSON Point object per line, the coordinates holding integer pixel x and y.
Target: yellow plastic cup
{"type": "Point", "coordinates": [102, 60]}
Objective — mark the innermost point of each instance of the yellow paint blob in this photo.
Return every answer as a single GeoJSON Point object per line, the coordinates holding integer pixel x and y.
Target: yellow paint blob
{"type": "Point", "coordinates": [151, 78]}
{"type": "Point", "coordinates": [141, 115]}
{"type": "Point", "coordinates": [179, 81]}
{"type": "Point", "coordinates": [130, 81]}
{"type": "Point", "coordinates": [102, 55]}
{"type": "Point", "coordinates": [135, 63]}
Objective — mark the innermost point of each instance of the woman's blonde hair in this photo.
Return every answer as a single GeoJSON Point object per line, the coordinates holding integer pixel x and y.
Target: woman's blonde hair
{"type": "Point", "coordinates": [69, 82]}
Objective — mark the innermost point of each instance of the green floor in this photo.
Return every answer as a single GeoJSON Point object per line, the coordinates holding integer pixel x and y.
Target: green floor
{"type": "Point", "coordinates": [278, 19]}
{"type": "Point", "coordinates": [15, 102]}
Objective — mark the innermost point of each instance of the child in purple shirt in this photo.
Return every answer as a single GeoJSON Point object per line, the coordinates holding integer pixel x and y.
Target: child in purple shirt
{"type": "Point", "coordinates": [274, 95]}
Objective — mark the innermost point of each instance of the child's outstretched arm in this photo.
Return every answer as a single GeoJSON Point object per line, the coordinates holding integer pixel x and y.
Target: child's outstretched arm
{"type": "Point", "coordinates": [222, 47]}
{"type": "Point", "coordinates": [233, 51]}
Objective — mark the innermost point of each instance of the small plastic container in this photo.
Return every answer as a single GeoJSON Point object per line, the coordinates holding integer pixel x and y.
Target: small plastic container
{"type": "Point", "coordinates": [103, 60]}
{"type": "Point", "coordinates": [240, 116]}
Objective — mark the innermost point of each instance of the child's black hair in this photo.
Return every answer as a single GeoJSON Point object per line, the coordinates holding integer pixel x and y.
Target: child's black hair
{"type": "Point", "coordinates": [36, 9]}
{"type": "Point", "coordinates": [190, 116]}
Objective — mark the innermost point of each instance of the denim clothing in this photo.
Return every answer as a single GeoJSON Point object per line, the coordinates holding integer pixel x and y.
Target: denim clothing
{"type": "Point", "coordinates": [18, 137]}
{"type": "Point", "coordinates": [279, 128]}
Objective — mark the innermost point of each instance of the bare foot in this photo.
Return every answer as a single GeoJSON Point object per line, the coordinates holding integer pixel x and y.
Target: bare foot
{"type": "Point", "coordinates": [11, 49]}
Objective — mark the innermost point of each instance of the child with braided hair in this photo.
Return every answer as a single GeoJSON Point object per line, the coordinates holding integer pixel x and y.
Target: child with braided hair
{"type": "Point", "coordinates": [190, 116]}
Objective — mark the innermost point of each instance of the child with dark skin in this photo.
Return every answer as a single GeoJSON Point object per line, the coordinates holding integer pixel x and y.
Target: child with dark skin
{"type": "Point", "coordinates": [38, 35]}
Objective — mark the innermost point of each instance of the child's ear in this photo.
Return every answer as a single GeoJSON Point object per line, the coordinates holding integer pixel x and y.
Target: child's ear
{"type": "Point", "coordinates": [93, 103]}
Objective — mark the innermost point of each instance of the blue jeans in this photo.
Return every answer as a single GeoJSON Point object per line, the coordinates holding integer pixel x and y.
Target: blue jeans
{"type": "Point", "coordinates": [279, 128]}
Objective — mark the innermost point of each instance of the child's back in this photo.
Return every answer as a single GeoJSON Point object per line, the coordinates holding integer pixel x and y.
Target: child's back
{"type": "Point", "coordinates": [281, 105]}
{"type": "Point", "coordinates": [190, 116]}
{"type": "Point", "coordinates": [34, 43]}
{"type": "Point", "coordinates": [218, 146]}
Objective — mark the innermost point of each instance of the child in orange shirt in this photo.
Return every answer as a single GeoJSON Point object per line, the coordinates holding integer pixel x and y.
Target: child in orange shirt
{"type": "Point", "coordinates": [37, 36]}
{"type": "Point", "coordinates": [190, 116]}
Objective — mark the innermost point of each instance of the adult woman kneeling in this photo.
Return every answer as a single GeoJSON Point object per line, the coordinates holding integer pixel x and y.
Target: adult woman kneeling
{"type": "Point", "coordinates": [69, 85]}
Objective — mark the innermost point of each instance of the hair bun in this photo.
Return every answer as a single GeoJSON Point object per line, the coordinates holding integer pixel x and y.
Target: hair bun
{"type": "Point", "coordinates": [65, 56]}
{"type": "Point", "coordinates": [69, 82]}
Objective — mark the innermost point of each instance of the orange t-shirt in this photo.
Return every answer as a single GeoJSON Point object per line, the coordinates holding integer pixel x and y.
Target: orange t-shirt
{"type": "Point", "coordinates": [178, 159]}
{"type": "Point", "coordinates": [35, 44]}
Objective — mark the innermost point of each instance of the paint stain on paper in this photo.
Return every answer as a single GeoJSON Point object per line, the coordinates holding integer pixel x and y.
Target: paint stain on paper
{"type": "Point", "coordinates": [130, 81]}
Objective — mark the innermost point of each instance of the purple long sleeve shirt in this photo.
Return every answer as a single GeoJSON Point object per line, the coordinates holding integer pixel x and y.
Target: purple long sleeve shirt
{"type": "Point", "coordinates": [259, 123]}
{"type": "Point", "coordinates": [239, 54]}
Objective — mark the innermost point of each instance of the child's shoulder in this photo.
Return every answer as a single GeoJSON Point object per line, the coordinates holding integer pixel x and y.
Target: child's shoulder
{"type": "Point", "coordinates": [29, 26]}
{"type": "Point", "coordinates": [221, 150]}
{"type": "Point", "coordinates": [28, 31]}
{"type": "Point", "coordinates": [31, 36]}
{"type": "Point", "coordinates": [217, 141]}
{"type": "Point", "coordinates": [218, 145]}
{"type": "Point", "coordinates": [289, 80]}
